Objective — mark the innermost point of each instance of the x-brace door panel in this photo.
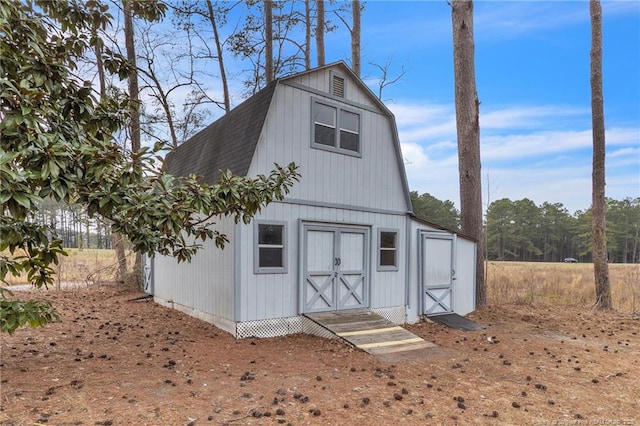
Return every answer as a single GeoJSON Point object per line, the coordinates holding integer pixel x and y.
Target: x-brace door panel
{"type": "Point", "coordinates": [351, 291]}
{"type": "Point", "coordinates": [335, 265]}
{"type": "Point", "coordinates": [319, 275]}
{"type": "Point", "coordinates": [438, 273]}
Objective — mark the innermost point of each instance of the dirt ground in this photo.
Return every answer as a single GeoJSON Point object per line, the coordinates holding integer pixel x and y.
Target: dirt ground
{"type": "Point", "coordinates": [116, 361]}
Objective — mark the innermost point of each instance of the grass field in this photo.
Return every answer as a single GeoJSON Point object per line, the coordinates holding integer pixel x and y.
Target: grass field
{"type": "Point", "coordinates": [80, 266]}
{"type": "Point", "coordinates": [507, 282]}
{"type": "Point", "coordinates": [560, 284]}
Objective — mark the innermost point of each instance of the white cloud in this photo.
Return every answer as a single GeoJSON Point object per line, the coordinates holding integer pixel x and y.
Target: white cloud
{"type": "Point", "coordinates": [542, 143]}
{"type": "Point", "coordinates": [568, 185]}
{"type": "Point", "coordinates": [526, 116]}
{"type": "Point", "coordinates": [417, 122]}
{"type": "Point", "coordinates": [511, 19]}
{"type": "Point", "coordinates": [520, 157]}
{"type": "Point", "coordinates": [518, 146]}
{"type": "Point", "coordinates": [438, 178]}
{"type": "Point", "coordinates": [517, 18]}
{"type": "Point", "coordinates": [623, 136]}
{"type": "Point", "coordinates": [414, 155]}
{"type": "Point", "coordinates": [630, 154]}
{"type": "Point", "coordinates": [411, 114]}
{"type": "Point", "coordinates": [620, 7]}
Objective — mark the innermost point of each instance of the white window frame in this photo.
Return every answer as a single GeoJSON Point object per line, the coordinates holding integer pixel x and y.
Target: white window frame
{"type": "Point", "coordinates": [337, 129]}
{"type": "Point", "coordinates": [395, 249]}
{"type": "Point", "coordinates": [257, 269]}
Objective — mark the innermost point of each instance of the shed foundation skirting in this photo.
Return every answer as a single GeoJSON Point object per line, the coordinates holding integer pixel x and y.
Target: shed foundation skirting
{"type": "Point", "coordinates": [274, 327]}
{"type": "Point", "coordinates": [395, 314]}
{"type": "Point", "coordinates": [222, 323]}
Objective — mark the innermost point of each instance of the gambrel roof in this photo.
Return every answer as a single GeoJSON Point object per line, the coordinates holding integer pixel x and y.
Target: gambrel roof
{"type": "Point", "coordinates": [227, 143]}
{"type": "Point", "coordinates": [230, 142]}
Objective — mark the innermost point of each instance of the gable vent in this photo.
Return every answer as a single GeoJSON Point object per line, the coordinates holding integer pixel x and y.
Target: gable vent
{"type": "Point", "coordinates": [337, 86]}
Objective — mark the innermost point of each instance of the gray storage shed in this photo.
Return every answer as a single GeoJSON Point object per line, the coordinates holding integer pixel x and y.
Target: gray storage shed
{"type": "Point", "coordinates": [343, 238]}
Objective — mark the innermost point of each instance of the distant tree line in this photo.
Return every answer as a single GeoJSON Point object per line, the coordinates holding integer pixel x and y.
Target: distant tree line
{"type": "Point", "coordinates": [431, 209]}
{"type": "Point", "coordinates": [523, 231]}
{"type": "Point", "coordinates": [515, 230]}
{"type": "Point", "coordinates": [73, 225]}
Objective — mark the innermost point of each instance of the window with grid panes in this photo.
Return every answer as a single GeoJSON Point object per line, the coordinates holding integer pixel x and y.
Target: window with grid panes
{"type": "Point", "coordinates": [335, 128]}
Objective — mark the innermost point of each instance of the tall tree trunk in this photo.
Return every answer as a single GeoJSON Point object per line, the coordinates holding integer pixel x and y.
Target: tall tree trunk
{"type": "Point", "coordinates": [625, 250]}
{"type": "Point", "coordinates": [134, 95]}
{"type": "Point", "coordinates": [99, 234]}
{"type": "Point", "coordinates": [117, 242]}
{"type": "Point", "coordinates": [223, 73]}
{"type": "Point", "coordinates": [134, 90]}
{"type": "Point", "coordinates": [355, 37]}
{"type": "Point", "coordinates": [87, 232]}
{"type": "Point", "coordinates": [268, 38]}
{"type": "Point", "coordinates": [634, 257]}
{"type": "Point", "coordinates": [599, 224]}
{"type": "Point", "coordinates": [307, 34]}
{"type": "Point", "coordinates": [632, 249]}
{"type": "Point", "coordinates": [100, 67]}
{"type": "Point", "coordinates": [468, 131]}
{"type": "Point", "coordinates": [79, 234]}
{"type": "Point", "coordinates": [320, 32]}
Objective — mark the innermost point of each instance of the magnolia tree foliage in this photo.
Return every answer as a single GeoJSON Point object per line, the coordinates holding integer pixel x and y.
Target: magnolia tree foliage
{"type": "Point", "coordinates": [57, 140]}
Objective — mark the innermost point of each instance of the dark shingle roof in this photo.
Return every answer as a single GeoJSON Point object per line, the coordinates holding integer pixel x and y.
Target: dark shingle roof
{"type": "Point", "coordinates": [228, 143]}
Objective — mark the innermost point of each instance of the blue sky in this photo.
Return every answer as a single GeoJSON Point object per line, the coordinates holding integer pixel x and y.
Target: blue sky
{"type": "Point", "coordinates": [532, 74]}
{"type": "Point", "coordinates": [532, 68]}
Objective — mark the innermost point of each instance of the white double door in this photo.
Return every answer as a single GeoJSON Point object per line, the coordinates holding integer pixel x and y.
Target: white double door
{"type": "Point", "coordinates": [335, 264]}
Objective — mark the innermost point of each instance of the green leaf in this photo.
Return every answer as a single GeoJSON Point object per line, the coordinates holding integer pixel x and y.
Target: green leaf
{"type": "Point", "coordinates": [58, 141]}
{"type": "Point", "coordinates": [22, 199]}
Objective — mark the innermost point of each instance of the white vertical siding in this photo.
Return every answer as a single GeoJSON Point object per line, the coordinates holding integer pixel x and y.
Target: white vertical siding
{"type": "Point", "coordinates": [320, 81]}
{"type": "Point", "coordinates": [205, 283]}
{"type": "Point", "coordinates": [372, 181]}
{"type": "Point", "coordinates": [364, 191]}
{"type": "Point", "coordinates": [464, 285]}
{"type": "Point", "coordinates": [265, 296]}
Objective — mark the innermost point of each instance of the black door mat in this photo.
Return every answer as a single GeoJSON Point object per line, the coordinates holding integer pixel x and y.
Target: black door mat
{"type": "Point", "coordinates": [456, 321]}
